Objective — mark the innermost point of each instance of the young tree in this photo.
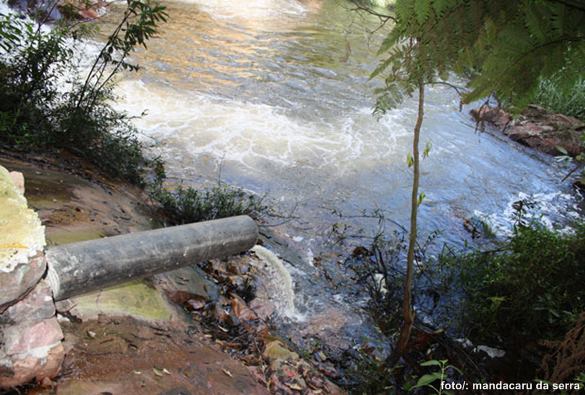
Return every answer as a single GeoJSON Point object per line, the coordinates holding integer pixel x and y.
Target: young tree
{"type": "Point", "coordinates": [407, 75]}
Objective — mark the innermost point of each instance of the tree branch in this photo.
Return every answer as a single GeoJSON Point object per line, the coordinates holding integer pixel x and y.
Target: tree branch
{"type": "Point", "coordinates": [385, 17]}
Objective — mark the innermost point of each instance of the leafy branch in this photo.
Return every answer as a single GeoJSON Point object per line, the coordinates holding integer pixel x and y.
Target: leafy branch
{"type": "Point", "coordinates": [138, 25]}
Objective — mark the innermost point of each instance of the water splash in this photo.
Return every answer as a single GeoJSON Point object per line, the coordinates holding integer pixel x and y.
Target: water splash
{"type": "Point", "coordinates": [278, 282]}
{"type": "Point", "coordinates": [546, 209]}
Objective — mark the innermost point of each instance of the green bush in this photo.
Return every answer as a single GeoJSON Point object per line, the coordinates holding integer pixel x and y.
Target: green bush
{"type": "Point", "coordinates": [186, 204]}
{"type": "Point", "coordinates": [47, 103]}
{"type": "Point", "coordinates": [530, 288]}
{"type": "Point", "coordinates": [568, 100]}
{"type": "Point", "coordinates": [29, 76]}
{"type": "Point", "coordinates": [104, 136]}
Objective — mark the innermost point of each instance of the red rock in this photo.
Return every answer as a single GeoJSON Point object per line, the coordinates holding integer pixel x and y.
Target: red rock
{"type": "Point", "coordinates": [553, 134]}
{"type": "Point", "coordinates": [24, 338]}
{"type": "Point", "coordinates": [107, 345]}
{"type": "Point", "coordinates": [241, 309]}
{"type": "Point", "coordinates": [53, 362]}
{"type": "Point", "coordinates": [88, 13]}
{"type": "Point", "coordinates": [28, 368]}
{"type": "Point", "coordinates": [186, 283]}
{"type": "Point", "coordinates": [196, 304]}
{"type": "Point", "coordinates": [36, 306]}
{"type": "Point", "coordinates": [493, 115]}
{"type": "Point", "coordinates": [17, 283]}
{"type": "Point", "coordinates": [195, 367]}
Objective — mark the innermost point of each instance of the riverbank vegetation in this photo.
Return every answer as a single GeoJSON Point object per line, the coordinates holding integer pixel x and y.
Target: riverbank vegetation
{"type": "Point", "coordinates": [567, 100]}
{"type": "Point", "coordinates": [185, 205]}
{"type": "Point", "coordinates": [501, 310]}
{"type": "Point", "coordinates": [49, 102]}
{"type": "Point", "coordinates": [522, 290]}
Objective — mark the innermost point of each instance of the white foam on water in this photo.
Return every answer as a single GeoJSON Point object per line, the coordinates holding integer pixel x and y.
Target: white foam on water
{"type": "Point", "coordinates": [5, 9]}
{"type": "Point", "coordinates": [255, 134]}
{"type": "Point", "coordinates": [546, 209]}
{"type": "Point", "coordinates": [310, 257]}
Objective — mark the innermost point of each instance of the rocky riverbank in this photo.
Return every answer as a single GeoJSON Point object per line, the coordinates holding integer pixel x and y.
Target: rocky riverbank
{"type": "Point", "coordinates": [181, 332]}
{"type": "Point", "coordinates": [548, 132]}
{"type": "Point", "coordinates": [551, 133]}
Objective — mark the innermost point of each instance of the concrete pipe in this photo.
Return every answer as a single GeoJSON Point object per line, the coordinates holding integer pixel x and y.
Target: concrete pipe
{"type": "Point", "coordinates": [79, 268]}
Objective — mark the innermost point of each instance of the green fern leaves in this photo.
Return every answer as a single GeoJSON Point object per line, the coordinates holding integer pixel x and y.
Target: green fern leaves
{"type": "Point", "coordinates": [501, 46]}
{"type": "Point", "coordinates": [422, 9]}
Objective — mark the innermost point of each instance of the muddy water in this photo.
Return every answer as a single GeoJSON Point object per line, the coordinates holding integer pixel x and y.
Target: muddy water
{"type": "Point", "coordinates": [274, 96]}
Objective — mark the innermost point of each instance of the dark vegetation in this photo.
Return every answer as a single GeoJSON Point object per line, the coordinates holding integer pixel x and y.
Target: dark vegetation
{"type": "Point", "coordinates": [524, 290]}
{"type": "Point", "coordinates": [46, 106]}
{"type": "Point", "coordinates": [522, 295]}
{"type": "Point", "coordinates": [186, 204]}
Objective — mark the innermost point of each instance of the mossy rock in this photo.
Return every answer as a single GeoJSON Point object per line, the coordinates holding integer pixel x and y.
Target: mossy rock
{"type": "Point", "coordinates": [135, 299]}
{"type": "Point", "coordinates": [21, 232]}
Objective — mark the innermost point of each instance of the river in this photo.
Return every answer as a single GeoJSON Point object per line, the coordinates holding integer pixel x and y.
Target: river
{"type": "Point", "coordinates": [273, 96]}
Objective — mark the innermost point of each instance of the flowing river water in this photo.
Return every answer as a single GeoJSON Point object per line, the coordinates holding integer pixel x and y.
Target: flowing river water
{"type": "Point", "coordinates": [274, 96]}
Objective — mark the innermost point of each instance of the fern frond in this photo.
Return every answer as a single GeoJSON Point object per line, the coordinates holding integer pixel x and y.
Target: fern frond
{"type": "Point", "coordinates": [390, 40]}
{"type": "Point", "coordinates": [422, 9]}
{"type": "Point", "coordinates": [404, 10]}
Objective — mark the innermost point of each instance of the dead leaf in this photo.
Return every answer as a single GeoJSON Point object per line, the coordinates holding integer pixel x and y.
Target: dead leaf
{"type": "Point", "coordinates": [294, 386]}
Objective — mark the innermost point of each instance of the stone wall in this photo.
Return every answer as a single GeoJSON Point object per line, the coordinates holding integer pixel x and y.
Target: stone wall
{"type": "Point", "coordinates": [30, 336]}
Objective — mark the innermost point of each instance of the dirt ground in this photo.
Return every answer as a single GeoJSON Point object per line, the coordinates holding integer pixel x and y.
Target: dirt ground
{"type": "Point", "coordinates": [126, 356]}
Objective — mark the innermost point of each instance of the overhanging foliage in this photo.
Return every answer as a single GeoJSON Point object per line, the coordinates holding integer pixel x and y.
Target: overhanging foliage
{"type": "Point", "coordinates": [502, 47]}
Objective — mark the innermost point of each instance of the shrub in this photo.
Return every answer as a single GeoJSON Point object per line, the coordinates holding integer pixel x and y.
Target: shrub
{"type": "Point", "coordinates": [530, 288]}
{"type": "Point", "coordinates": [379, 270]}
{"type": "Point", "coordinates": [186, 204]}
{"type": "Point", "coordinates": [38, 111]}
{"type": "Point", "coordinates": [565, 100]}
{"type": "Point", "coordinates": [33, 63]}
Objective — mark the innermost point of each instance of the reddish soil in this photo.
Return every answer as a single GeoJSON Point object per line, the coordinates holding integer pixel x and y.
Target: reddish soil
{"type": "Point", "coordinates": [125, 356]}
